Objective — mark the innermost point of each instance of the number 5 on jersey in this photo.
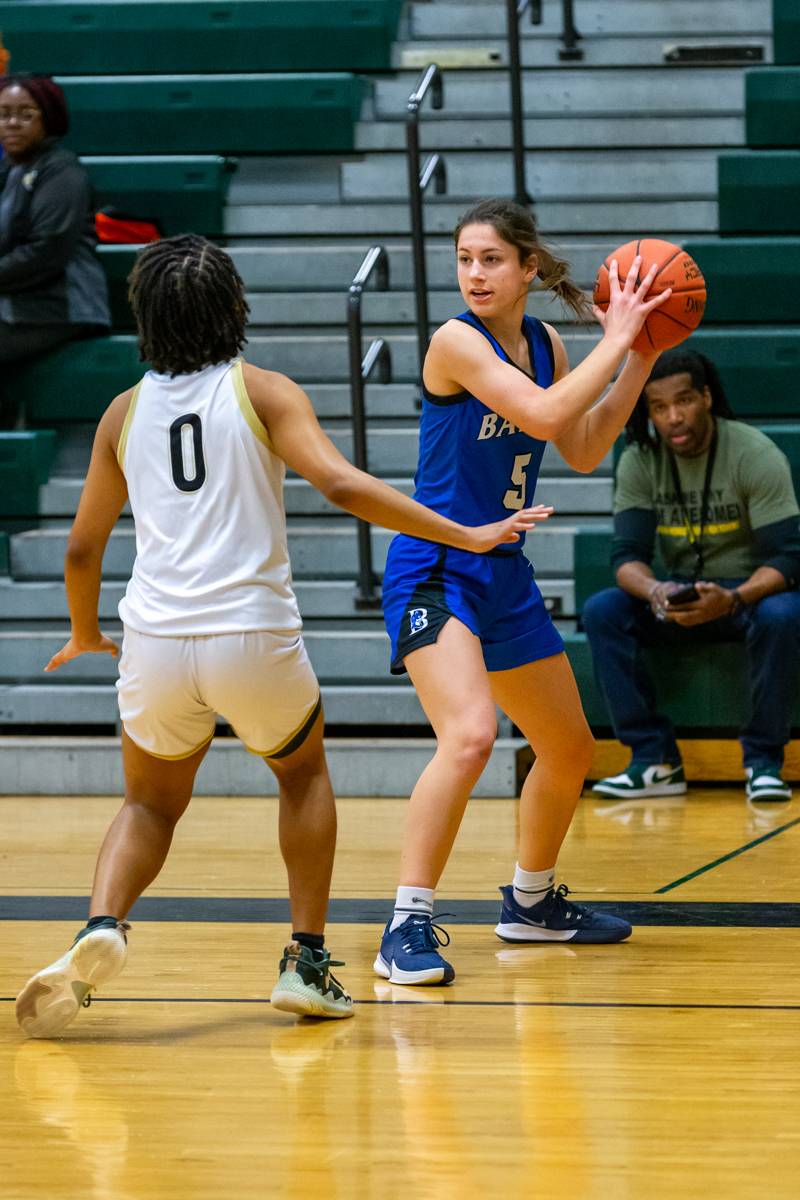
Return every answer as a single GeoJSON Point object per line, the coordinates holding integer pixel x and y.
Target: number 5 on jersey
{"type": "Point", "coordinates": [515, 497]}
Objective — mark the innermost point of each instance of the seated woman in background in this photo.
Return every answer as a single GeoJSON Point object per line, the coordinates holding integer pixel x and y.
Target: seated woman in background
{"type": "Point", "coordinates": [52, 286]}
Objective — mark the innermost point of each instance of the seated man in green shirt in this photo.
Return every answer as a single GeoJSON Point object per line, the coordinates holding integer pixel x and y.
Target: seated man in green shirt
{"type": "Point", "coordinates": [716, 496]}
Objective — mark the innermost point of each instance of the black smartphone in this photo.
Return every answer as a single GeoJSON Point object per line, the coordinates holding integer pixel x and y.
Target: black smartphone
{"type": "Point", "coordinates": [684, 595]}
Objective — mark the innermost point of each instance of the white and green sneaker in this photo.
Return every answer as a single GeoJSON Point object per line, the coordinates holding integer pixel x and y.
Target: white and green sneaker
{"type": "Point", "coordinates": [639, 780]}
{"type": "Point", "coordinates": [764, 783]}
{"type": "Point", "coordinates": [306, 986]}
{"type": "Point", "coordinates": [55, 995]}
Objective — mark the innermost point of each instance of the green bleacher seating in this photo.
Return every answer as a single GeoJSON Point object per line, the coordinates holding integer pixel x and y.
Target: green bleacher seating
{"type": "Point", "coordinates": [25, 461]}
{"type": "Point", "coordinates": [752, 280]}
{"type": "Point", "coordinates": [213, 114]}
{"type": "Point", "coordinates": [78, 381]}
{"type": "Point", "coordinates": [772, 107]}
{"type": "Point", "coordinates": [712, 680]}
{"type": "Point", "coordinates": [118, 263]}
{"type": "Point", "coordinates": [786, 31]}
{"type": "Point", "coordinates": [169, 38]}
{"type": "Point", "coordinates": [183, 193]}
{"type": "Point", "coordinates": [759, 192]}
{"type": "Point", "coordinates": [759, 367]}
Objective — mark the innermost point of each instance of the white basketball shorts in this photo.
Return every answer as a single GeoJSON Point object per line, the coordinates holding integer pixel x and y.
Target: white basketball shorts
{"type": "Point", "coordinates": [171, 688]}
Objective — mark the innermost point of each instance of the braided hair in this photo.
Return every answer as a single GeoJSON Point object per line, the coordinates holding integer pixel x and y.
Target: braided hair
{"type": "Point", "coordinates": [517, 226]}
{"type": "Point", "coordinates": [188, 301]}
{"type": "Point", "coordinates": [678, 361]}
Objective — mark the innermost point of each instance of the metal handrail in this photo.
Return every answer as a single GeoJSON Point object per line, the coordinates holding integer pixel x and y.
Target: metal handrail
{"type": "Point", "coordinates": [378, 354]}
{"type": "Point", "coordinates": [514, 10]}
{"type": "Point", "coordinates": [434, 169]}
{"type": "Point", "coordinates": [569, 52]}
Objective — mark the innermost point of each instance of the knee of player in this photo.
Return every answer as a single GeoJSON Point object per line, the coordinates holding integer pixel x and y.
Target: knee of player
{"type": "Point", "coordinates": [470, 747]}
{"type": "Point", "coordinates": [584, 751]}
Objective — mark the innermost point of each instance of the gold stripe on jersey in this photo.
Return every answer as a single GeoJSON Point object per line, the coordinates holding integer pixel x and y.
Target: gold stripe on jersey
{"type": "Point", "coordinates": [682, 531]}
{"type": "Point", "coordinates": [245, 404]}
{"type": "Point", "coordinates": [173, 757]}
{"type": "Point", "coordinates": [126, 426]}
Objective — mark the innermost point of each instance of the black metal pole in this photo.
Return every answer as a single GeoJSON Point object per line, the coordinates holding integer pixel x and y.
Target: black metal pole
{"type": "Point", "coordinates": [417, 238]}
{"type": "Point", "coordinates": [376, 258]}
{"type": "Point", "coordinates": [366, 581]}
{"type": "Point", "coordinates": [517, 115]}
{"type": "Point", "coordinates": [431, 78]}
{"type": "Point", "coordinates": [570, 51]}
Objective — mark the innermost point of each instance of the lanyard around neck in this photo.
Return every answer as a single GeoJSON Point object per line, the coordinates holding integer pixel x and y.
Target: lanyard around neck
{"type": "Point", "coordinates": [695, 540]}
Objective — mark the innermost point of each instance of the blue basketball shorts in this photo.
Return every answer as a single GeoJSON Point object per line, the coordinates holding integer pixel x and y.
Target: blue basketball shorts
{"type": "Point", "coordinates": [495, 595]}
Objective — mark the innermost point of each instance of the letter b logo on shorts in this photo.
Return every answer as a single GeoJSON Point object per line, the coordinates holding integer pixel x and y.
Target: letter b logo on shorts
{"type": "Point", "coordinates": [418, 618]}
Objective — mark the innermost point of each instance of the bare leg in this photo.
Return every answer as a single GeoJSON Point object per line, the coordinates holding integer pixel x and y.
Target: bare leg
{"type": "Point", "coordinates": [157, 793]}
{"type": "Point", "coordinates": [542, 699]}
{"type": "Point", "coordinates": [453, 687]}
{"type": "Point", "coordinates": [307, 829]}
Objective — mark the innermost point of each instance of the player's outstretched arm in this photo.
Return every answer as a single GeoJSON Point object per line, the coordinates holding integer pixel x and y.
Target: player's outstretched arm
{"type": "Point", "coordinates": [104, 494]}
{"type": "Point", "coordinates": [586, 443]}
{"type": "Point", "coordinates": [459, 358]}
{"type": "Point", "coordinates": [295, 434]}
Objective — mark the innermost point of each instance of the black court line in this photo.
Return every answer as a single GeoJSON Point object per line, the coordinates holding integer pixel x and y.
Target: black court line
{"type": "Point", "coordinates": [727, 857]}
{"type": "Point", "coordinates": [388, 1004]}
{"type": "Point", "coordinates": [355, 911]}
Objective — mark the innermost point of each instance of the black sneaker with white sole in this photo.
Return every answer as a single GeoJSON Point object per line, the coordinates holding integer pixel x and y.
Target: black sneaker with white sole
{"type": "Point", "coordinates": [639, 780]}
{"type": "Point", "coordinates": [764, 783]}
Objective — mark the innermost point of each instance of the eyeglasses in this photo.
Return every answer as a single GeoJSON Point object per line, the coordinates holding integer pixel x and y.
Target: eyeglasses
{"type": "Point", "coordinates": [24, 115]}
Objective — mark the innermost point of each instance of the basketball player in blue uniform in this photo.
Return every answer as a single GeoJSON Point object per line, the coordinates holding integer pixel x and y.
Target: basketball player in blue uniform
{"type": "Point", "coordinates": [211, 623]}
{"type": "Point", "coordinates": [472, 630]}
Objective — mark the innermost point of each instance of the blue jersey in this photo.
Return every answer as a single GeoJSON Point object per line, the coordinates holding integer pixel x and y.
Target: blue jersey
{"type": "Point", "coordinates": [475, 466]}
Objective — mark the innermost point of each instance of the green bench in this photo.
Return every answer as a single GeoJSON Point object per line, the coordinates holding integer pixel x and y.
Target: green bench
{"type": "Point", "coordinates": [759, 367]}
{"type": "Point", "coordinates": [749, 280]}
{"type": "Point", "coordinates": [786, 31]}
{"type": "Point", "coordinates": [759, 192]}
{"type": "Point", "coordinates": [118, 263]}
{"type": "Point", "coordinates": [705, 690]}
{"type": "Point", "coordinates": [25, 461]}
{"type": "Point", "coordinates": [772, 107]}
{"type": "Point", "coordinates": [213, 114]}
{"type": "Point", "coordinates": [76, 382]}
{"type": "Point", "coordinates": [183, 193]}
{"type": "Point", "coordinates": [170, 38]}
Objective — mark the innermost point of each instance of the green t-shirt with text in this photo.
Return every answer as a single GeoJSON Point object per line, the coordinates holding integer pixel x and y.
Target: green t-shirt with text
{"type": "Point", "coordinates": [751, 486]}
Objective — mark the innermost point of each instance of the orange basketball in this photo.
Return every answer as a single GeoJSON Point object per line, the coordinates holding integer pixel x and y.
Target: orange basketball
{"type": "Point", "coordinates": [675, 319]}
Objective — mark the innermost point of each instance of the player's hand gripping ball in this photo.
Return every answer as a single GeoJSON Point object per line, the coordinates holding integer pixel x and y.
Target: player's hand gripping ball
{"type": "Point", "coordinates": [679, 316]}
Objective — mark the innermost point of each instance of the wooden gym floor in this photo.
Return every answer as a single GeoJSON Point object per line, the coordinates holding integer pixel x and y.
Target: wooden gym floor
{"type": "Point", "coordinates": [663, 1067]}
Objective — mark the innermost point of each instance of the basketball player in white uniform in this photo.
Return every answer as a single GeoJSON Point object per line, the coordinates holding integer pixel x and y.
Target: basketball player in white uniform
{"type": "Point", "coordinates": [211, 624]}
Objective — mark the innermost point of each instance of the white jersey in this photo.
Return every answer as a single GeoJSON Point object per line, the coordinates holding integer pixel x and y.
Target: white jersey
{"type": "Point", "coordinates": [206, 492]}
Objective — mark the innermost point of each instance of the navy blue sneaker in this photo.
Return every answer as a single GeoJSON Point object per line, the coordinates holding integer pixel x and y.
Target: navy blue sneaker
{"type": "Point", "coordinates": [557, 919]}
{"type": "Point", "coordinates": [410, 953]}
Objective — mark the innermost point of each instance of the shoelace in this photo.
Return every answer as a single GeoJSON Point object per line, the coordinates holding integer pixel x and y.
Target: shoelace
{"type": "Point", "coordinates": [426, 935]}
{"type": "Point", "coordinates": [323, 966]}
{"type": "Point", "coordinates": [560, 902]}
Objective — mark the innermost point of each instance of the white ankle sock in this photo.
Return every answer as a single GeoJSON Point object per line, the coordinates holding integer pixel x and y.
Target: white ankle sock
{"type": "Point", "coordinates": [532, 886]}
{"type": "Point", "coordinates": [412, 900]}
